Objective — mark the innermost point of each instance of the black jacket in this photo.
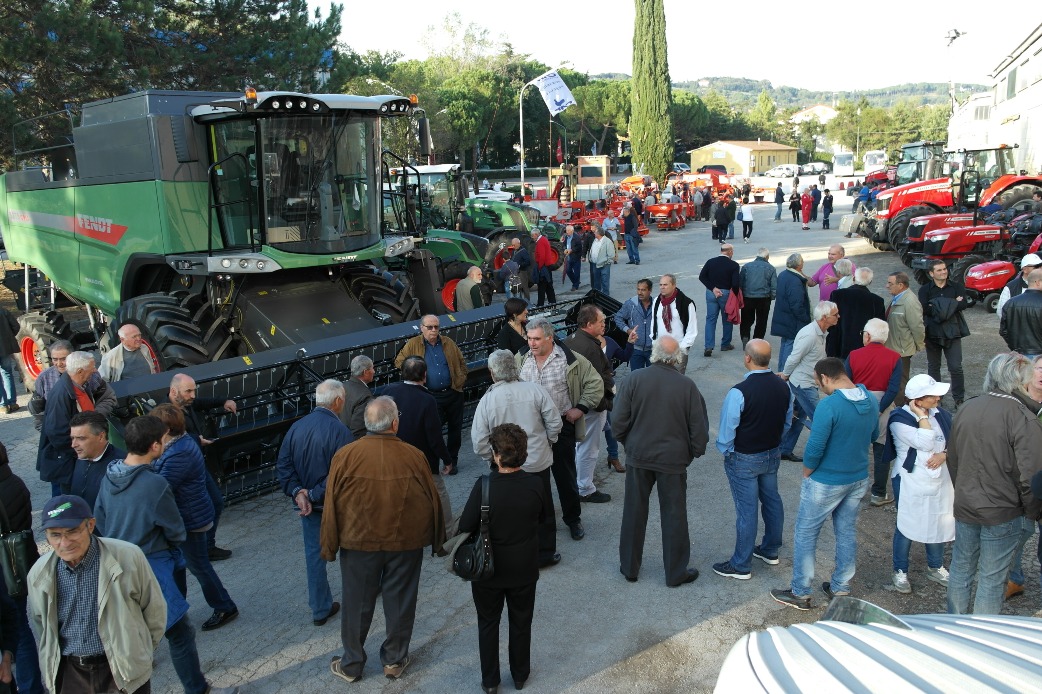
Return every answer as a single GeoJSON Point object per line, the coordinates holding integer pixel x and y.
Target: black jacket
{"type": "Point", "coordinates": [1021, 325]}
{"type": "Point", "coordinates": [88, 474]}
{"type": "Point", "coordinates": [14, 497]}
{"type": "Point", "coordinates": [942, 312]}
{"type": "Point", "coordinates": [582, 343]}
{"type": "Point", "coordinates": [419, 424]}
{"type": "Point", "coordinates": [857, 305]}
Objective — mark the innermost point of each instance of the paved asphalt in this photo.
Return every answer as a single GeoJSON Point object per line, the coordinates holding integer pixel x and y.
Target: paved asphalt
{"type": "Point", "coordinates": [593, 631]}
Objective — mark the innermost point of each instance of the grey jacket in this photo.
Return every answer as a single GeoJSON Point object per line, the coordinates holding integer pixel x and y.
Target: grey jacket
{"type": "Point", "coordinates": [758, 279]}
{"type": "Point", "coordinates": [525, 404]}
{"type": "Point", "coordinates": [660, 417]}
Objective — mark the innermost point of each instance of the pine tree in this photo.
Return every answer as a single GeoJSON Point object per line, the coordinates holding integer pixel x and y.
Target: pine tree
{"type": "Point", "coordinates": [651, 123]}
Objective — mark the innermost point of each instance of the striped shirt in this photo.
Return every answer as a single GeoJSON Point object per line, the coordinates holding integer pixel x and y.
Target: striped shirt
{"type": "Point", "coordinates": [78, 604]}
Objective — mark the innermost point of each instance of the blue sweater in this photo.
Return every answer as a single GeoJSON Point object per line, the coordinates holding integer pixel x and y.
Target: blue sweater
{"type": "Point", "coordinates": [837, 450]}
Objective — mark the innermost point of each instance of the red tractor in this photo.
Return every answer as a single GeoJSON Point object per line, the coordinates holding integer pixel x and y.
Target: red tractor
{"type": "Point", "coordinates": [984, 282]}
{"type": "Point", "coordinates": [963, 247]}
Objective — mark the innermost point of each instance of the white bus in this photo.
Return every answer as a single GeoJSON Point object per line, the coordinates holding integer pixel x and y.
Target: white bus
{"type": "Point", "coordinates": [843, 164]}
{"type": "Point", "coordinates": [874, 159]}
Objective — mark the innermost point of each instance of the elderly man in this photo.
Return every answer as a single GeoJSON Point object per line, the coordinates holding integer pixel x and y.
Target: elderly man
{"type": "Point", "coordinates": [103, 397]}
{"type": "Point", "coordinates": [182, 393]}
{"type": "Point", "coordinates": [382, 510]}
{"type": "Point", "coordinates": [303, 468]}
{"type": "Point", "coordinates": [835, 472]}
{"type": "Point", "coordinates": [468, 290]}
{"type": "Point", "coordinates": [660, 417]}
{"type": "Point", "coordinates": [576, 388]}
{"type": "Point", "coordinates": [131, 359]}
{"type": "Point", "coordinates": [543, 261]}
{"type": "Point", "coordinates": [878, 368]}
{"type": "Point", "coordinates": [675, 315]}
{"type": "Point", "coordinates": [446, 376]}
{"type": "Point", "coordinates": [943, 302]}
{"type": "Point", "coordinates": [89, 434]}
{"type": "Point", "coordinates": [720, 276]}
{"type": "Point", "coordinates": [636, 316]}
{"type": "Point", "coordinates": [992, 457]}
{"type": "Point", "coordinates": [826, 279]}
{"type": "Point", "coordinates": [808, 349]}
{"type": "Point", "coordinates": [904, 315]}
{"type": "Point", "coordinates": [586, 341]}
{"type": "Point", "coordinates": [1021, 323]}
{"type": "Point", "coordinates": [759, 282]}
{"type": "Point", "coordinates": [509, 400]}
{"type": "Point", "coordinates": [418, 425]}
{"type": "Point", "coordinates": [857, 304]}
{"type": "Point", "coordinates": [601, 255]}
{"type": "Point", "coordinates": [56, 458]}
{"type": "Point", "coordinates": [357, 395]}
{"type": "Point", "coordinates": [1019, 283]}
{"type": "Point", "coordinates": [792, 307]}
{"type": "Point", "coordinates": [755, 416]}
{"type": "Point", "coordinates": [85, 598]}
{"type": "Point", "coordinates": [573, 254]}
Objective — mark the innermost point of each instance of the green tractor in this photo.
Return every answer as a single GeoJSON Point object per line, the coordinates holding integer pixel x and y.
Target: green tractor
{"type": "Point", "coordinates": [222, 225]}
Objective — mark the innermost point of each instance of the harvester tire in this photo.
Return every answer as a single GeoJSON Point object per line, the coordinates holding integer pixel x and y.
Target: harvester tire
{"type": "Point", "coordinates": [37, 332]}
{"type": "Point", "coordinates": [389, 298]}
{"type": "Point", "coordinates": [898, 227]}
{"type": "Point", "coordinates": [169, 328]}
{"type": "Point", "coordinates": [957, 273]}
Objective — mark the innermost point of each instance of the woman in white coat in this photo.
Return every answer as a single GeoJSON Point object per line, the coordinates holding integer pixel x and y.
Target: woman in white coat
{"type": "Point", "coordinates": [917, 439]}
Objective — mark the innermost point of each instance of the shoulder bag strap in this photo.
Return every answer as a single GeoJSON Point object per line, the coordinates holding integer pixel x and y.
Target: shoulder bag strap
{"type": "Point", "coordinates": [484, 501]}
{"type": "Point", "coordinates": [5, 522]}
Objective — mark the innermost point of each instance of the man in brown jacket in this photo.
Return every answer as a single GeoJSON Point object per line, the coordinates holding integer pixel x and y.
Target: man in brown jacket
{"type": "Point", "coordinates": [382, 509]}
{"type": "Point", "coordinates": [993, 453]}
{"type": "Point", "coordinates": [446, 376]}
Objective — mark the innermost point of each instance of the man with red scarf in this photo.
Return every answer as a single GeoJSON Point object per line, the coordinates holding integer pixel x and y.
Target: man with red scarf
{"type": "Point", "coordinates": [675, 316]}
{"type": "Point", "coordinates": [544, 260]}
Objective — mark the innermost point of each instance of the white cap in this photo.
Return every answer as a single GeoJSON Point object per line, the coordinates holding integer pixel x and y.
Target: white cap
{"type": "Point", "coordinates": [923, 385]}
{"type": "Point", "coordinates": [1030, 260]}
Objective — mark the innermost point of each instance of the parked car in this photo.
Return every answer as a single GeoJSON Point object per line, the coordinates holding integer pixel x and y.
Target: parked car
{"type": "Point", "coordinates": [814, 168]}
{"type": "Point", "coordinates": [782, 171]}
{"type": "Point", "coordinates": [680, 167]}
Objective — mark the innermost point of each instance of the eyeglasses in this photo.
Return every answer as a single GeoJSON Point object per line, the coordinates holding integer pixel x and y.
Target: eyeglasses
{"type": "Point", "coordinates": [432, 327]}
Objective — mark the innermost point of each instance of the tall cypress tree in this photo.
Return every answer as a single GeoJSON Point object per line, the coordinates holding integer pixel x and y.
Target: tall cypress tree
{"type": "Point", "coordinates": [651, 123]}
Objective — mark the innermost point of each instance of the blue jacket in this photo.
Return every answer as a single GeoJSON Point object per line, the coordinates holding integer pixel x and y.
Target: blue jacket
{"type": "Point", "coordinates": [779, 196]}
{"type": "Point", "coordinates": [792, 307]}
{"type": "Point", "coordinates": [306, 452]}
{"type": "Point", "coordinates": [837, 449]}
{"type": "Point", "coordinates": [633, 314]}
{"type": "Point", "coordinates": [419, 424]}
{"type": "Point", "coordinates": [55, 458]}
{"type": "Point", "coordinates": [136, 505]}
{"type": "Point", "coordinates": [758, 279]}
{"type": "Point", "coordinates": [183, 468]}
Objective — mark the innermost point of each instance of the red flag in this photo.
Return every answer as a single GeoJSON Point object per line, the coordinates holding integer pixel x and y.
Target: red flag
{"type": "Point", "coordinates": [560, 155]}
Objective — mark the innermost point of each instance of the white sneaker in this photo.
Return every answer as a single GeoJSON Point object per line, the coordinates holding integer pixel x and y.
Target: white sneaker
{"type": "Point", "coordinates": [901, 582]}
{"type": "Point", "coordinates": [938, 575]}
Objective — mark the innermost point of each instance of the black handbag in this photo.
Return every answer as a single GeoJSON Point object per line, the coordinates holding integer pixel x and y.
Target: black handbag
{"type": "Point", "coordinates": [473, 561]}
{"type": "Point", "coordinates": [18, 553]}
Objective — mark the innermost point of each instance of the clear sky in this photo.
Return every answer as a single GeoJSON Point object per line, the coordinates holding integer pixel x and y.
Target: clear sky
{"type": "Point", "coordinates": [847, 45]}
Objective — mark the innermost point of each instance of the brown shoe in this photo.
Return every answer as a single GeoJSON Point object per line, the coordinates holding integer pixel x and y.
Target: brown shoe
{"type": "Point", "coordinates": [616, 464]}
{"type": "Point", "coordinates": [1013, 590]}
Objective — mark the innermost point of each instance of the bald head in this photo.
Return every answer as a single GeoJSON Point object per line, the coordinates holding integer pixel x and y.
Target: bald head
{"type": "Point", "coordinates": [182, 390]}
{"type": "Point", "coordinates": [836, 252]}
{"type": "Point", "coordinates": [665, 350]}
{"type": "Point", "coordinates": [757, 354]}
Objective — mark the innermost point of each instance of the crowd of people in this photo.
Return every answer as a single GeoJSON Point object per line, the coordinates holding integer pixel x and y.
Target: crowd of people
{"type": "Point", "coordinates": [366, 469]}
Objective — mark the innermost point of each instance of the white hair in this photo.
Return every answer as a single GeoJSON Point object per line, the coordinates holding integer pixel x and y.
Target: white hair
{"type": "Point", "coordinates": [863, 276]}
{"type": "Point", "coordinates": [823, 309]}
{"type": "Point", "coordinates": [360, 364]}
{"type": "Point", "coordinates": [380, 414]}
{"type": "Point", "coordinates": [878, 329]}
{"type": "Point", "coordinates": [78, 361]}
{"type": "Point", "coordinates": [328, 391]}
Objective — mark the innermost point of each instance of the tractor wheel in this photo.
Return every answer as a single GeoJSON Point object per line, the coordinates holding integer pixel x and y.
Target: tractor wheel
{"type": "Point", "coordinates": [36, 333]}
{"type": "Point", "coordinates": [991, 302]}
{"type": "Point", "coordinates": [386, 295]}
{"type": "Point", "coordinates": [921, 276]}
{"type": "Point", "coordinates": [1019, 193]}
{"type": "Point", "coordinates": [169, 329]}
{"type": "Point", "coordinates": [898, 227]}
{"type": "Point", "coordinates": [957, 273]}
{"type": "Point", "coordinates": [493, 256]}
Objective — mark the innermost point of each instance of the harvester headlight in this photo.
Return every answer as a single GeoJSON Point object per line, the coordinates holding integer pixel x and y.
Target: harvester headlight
{"type": "Point", "coordinates": [226, 262]}
{"type": "Point", "coordinates": [383, 108]}
{"type": "Point", "coordinates": [244, 263]}
{"type": "Point", "coordinates": [303, 104]}
{"type": "Point", "coordinates": [315, 106]}
{"type": "Point", "coordinates": [274, 104]}
{"type": "Point", "coordinates": [261, 265]}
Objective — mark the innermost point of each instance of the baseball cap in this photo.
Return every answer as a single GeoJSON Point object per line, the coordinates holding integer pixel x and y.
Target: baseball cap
{"type": "Point", "coordinates": [923, 385]}
{"type": "Point", "coordinates": [65, 511]}
{"type": "Point", "coordinates": [1030, 260]}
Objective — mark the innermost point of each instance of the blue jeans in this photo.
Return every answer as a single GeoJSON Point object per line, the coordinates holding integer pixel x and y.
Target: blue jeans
{"type": "Point", "coordinates": [197, 560]}
{"type": "Point", "coordinates": [218, 506]}
{"type": "Point", "coordinates": [631, 247]}
{"type": "Point", "coordinates": [805, 401]}
{"type": "Point", "coordinates": [1016, 569]}
{"type": "Point", "coordinates": [714, 308]}
{"type": "Point", "coordinates": [730, 229]}
{"type": "Point", "coordinates": [184, 655]}
{"type": "Point", "coordinates": [784, 351]}
{"type": "Point", "coordinates": [640, 359]}
{"type": "Point", "coordinates": [574, 269]}
{"type": "Point", "coordinates": [754, 477]}
{"type": "Point", "coordinates": [777, 214]}
{"type": "Point", "coordinates": [611, 446]}
{"type": "Point", "coordinates": [320, 599]}
{"type": "Point", "coordinates": [8, 369]}
{"type": "Point", "coordinates": [818, 502]}
{"type": "Point", "coordinates": [902, 545]}
{"type": "Point", "coordinates": [605, 282]}
{"type": "Point", "coordinates": [983, 552]}
{"type": "Point", "coordinates": [26, 658]}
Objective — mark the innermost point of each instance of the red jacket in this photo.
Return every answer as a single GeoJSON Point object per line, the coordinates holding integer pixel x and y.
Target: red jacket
{"type": "Point", "coordinates": [544, 255]}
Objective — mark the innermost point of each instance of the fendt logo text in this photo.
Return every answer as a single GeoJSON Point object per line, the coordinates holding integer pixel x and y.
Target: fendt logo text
{"type": "Point", "coordinates": [97, 225]}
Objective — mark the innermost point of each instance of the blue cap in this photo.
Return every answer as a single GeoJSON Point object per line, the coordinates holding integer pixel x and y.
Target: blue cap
{"type": "Point", "coordinates": [65, 511]}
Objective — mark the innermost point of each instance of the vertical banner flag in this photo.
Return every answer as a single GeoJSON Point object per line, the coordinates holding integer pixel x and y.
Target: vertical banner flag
{"type": "Point", "coordinates": [555, 92]}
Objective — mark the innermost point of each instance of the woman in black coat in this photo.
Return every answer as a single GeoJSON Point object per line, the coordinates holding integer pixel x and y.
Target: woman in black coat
{"type": "Point", "coordinates": [512, 330]}
{"type": "Point", "coordinates": [517, 505]}
{"type": "Point", "coordinates": [794, 205]}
